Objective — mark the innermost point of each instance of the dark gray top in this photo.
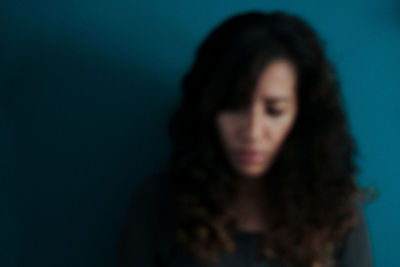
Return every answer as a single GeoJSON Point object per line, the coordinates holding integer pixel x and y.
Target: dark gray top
{"type": "Point", "coordinates": [148, 236]}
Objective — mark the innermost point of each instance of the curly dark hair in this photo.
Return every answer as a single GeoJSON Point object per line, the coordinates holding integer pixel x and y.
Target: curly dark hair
{"type": "Point", "coordinates": [314, 170]}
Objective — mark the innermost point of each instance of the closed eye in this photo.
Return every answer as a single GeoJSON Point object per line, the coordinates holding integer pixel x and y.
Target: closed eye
{"type": "Point", "coordinates": [274, 112]}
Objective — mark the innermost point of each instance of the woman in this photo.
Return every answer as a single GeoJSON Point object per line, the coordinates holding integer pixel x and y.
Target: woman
{"type": "Point", "coordinates": [262, 168]}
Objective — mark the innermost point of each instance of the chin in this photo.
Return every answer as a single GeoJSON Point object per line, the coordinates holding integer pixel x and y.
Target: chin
{"type": "Point", "coordinates": [251, 172]}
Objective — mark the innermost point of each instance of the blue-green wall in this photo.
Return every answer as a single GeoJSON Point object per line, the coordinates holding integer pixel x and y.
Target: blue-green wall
{"type": "Point", "coordinates": [86, 88]}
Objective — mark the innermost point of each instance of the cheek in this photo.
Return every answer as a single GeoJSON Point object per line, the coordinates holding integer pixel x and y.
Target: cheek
{"type": "Point", "coordinates": [226, 130]}
{"type": "Point", "coordinates": [281, 131]}
{"type": "Point", "coordinates": [221, 128]}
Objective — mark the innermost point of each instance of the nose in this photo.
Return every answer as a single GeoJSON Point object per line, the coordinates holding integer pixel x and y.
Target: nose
{"type": "Point", "coordinates": [253, 124]}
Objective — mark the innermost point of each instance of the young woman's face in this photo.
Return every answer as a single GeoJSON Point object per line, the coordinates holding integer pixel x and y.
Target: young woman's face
{"type": "Point", "coordinates": [251, 137]}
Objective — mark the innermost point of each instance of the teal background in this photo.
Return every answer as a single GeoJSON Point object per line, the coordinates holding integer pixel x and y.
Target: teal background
{"type": "Point", "coordinates": [86, 88]}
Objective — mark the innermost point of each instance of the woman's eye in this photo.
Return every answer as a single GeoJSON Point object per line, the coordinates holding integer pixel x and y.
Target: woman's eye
{"type": "Point", "coordinates": [274, 112]}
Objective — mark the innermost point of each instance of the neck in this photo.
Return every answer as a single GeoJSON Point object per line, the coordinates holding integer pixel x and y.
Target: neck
{"type": "Point", "coordinates": [249, 188]}
{"type": "Point", "coordinates": [248, 205]}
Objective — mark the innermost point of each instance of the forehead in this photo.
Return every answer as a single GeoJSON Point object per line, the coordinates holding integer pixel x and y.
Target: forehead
{"type": "Point", "coordinates": [277, 79]}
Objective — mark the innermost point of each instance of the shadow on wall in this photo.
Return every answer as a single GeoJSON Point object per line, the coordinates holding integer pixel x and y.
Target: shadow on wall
{"type": "Point", "coordinates": [84, 130]}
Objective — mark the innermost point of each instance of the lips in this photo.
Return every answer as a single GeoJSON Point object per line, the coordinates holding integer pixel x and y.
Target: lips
{"type": "Point", "coordinates": [250, 156]}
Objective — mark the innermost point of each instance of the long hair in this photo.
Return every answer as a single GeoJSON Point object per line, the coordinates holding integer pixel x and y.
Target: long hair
{"type": "Point", "coordinates": [309, 190]}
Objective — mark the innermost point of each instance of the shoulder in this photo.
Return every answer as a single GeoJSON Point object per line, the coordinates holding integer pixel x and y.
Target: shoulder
{"type": "Point", "coordinates": [356, 249]}
{"type": "Point", "coordinates": [150, 193]}
{"type": "Point", "coordinates": [151, 186]}
{"type": "Point", "coordinates": [145, 222]}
